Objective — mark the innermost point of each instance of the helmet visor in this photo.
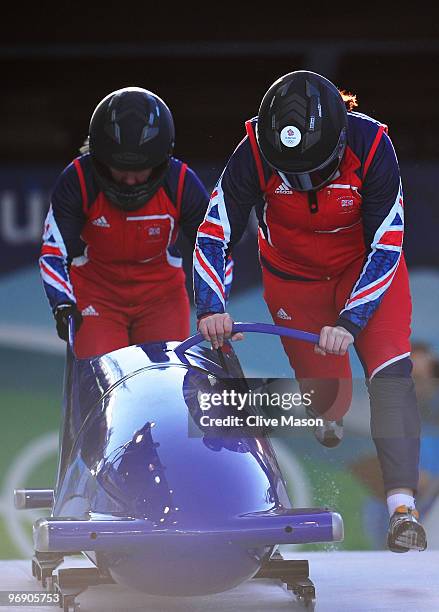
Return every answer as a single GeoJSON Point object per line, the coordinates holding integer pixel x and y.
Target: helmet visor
{"type": "Point", "coordinates": [320, 176]}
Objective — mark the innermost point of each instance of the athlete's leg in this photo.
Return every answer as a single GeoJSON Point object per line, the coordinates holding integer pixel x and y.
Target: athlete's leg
{"type": "Point", "coordinates": [309, 305]}
{"type": "Point", "coordinates": [105, 322]}
{"type": "Point", "coordinates": [165, 318]}
{"type": "Point", "coordinates": [103, 329]}
{"type": "Point", "coordinates": [384, 348]}
{"type": "Point", "coordinates": [395, 425]}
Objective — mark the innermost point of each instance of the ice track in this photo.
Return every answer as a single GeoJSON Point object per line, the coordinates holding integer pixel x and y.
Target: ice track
{"type": "Point", "coordinates": [345, 582]}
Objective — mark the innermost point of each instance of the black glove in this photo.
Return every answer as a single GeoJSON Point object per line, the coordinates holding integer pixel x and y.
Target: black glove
{"type": "Point", "coordinates": [61, 314]}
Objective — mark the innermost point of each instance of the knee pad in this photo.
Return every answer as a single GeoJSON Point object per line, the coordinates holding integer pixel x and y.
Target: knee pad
{"type": "Point", "coordinates": [395, 424]}
{"type": "Point", "coordinates": [393, 403]}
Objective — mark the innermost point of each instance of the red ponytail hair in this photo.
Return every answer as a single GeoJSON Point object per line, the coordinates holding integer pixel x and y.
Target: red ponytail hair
{"type": "Point", "coordinates": [349, 99]}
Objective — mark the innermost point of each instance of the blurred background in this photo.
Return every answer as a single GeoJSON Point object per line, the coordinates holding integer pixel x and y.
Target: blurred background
{"type": "Point", "coordinates": [212, 72]}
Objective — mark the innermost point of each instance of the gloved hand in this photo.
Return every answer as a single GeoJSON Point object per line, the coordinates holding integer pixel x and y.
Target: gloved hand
{"type": "Point", "coordinates": [61, 314]}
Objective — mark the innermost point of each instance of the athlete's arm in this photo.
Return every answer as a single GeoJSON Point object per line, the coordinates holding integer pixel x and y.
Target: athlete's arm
{"type": "Point", "coordinates": [383, 222]}
{"type": "Point", "coordinates": [232, 199]}
{"type": "Point", "coordinates": [194, 204]}
{"type": "Point", "coordinates": [62, 238]}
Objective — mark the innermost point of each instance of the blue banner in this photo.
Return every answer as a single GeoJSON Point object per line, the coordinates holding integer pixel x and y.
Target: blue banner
{"type": "Point", "coordinates": [24, 200]}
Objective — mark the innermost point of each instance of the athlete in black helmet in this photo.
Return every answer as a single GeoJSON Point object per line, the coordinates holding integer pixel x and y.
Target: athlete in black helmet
{"type": "Point", "coordinates": [326, 188]}
{"type": "Point", "coordinates": [109, 257]}
{"type": "Point", "coordinates": [301, 129]}
{"type": "Point", "coordinates": [131, 129]}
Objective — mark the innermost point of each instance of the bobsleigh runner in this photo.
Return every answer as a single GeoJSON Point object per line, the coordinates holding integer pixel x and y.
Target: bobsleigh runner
{"type": "Point", "coordinates": [152, 507]}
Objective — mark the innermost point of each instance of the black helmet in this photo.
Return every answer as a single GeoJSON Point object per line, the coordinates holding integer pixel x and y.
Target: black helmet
{"type": "Point", "coordinates": [131, 129]}
{"type": "Point", "coordinates": [301, 129]}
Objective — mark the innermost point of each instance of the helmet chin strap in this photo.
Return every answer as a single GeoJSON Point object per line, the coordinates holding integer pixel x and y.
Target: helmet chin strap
{"type": "Point", "coordinates": [333, 176]}
{"type": "Point", "coordinates": [130, 197]}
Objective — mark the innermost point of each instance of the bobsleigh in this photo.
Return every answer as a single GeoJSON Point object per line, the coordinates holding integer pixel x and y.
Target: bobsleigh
{"type": "Point", "coordinates": [155, 501]}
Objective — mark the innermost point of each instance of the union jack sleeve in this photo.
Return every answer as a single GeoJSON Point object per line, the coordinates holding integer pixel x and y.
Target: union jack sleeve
{"type": "Point", "coordinates": [383, 222]}
{"type": "Point", "coordinates": [53, 264]}
{"type": "Point", "coordinates": [61, 238]}
{"type": "Point", "coordinates": [235, 194]}
{"type": "Point", "coordinates": [209, 256]}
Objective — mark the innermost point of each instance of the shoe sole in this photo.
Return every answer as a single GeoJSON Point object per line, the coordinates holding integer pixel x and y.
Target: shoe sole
{"type": "Point", "coordinates": [328, 439]}
{"type": "Point", "coordinates": [410, 538]}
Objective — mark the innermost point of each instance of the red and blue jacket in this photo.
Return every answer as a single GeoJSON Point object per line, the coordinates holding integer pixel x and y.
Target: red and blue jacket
{"type": "Point", "coordinates": [309, 235]}
{"type": "Point", "coordinates": [87, 239]}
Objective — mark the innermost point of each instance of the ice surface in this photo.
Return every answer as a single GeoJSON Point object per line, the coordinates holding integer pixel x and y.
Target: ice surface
{"type": "Point", "coordinates": [345, 582]}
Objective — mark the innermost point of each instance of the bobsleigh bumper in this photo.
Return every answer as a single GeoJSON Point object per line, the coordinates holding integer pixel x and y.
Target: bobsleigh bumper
{"type": "Point", "coordinates": [296, 526]}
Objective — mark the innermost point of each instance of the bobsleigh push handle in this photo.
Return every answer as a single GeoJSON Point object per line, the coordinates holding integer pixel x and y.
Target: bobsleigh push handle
{"type": "Point", "coordinates": [71, 340]}
{"type": "Point", "coordinates": [260, 328]}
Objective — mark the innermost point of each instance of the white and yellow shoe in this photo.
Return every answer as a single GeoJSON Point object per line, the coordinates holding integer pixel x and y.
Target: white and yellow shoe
{"type": "Point", "coordinates": [405, 532]}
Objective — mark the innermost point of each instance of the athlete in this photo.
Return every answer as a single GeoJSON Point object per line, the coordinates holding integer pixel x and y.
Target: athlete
{"type": "Point", "coordinates": [326, 186]}
{"type": "Point", "coordinates": [109, 258]}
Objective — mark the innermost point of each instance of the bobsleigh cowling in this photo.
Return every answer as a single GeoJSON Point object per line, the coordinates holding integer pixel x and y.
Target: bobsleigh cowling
{"type": "Point", "coordinates": [155, 507]}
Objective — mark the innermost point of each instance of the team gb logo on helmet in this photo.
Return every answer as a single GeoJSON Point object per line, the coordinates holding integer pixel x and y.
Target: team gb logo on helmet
{"type": "Point", "coordinates": [290, 136]}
